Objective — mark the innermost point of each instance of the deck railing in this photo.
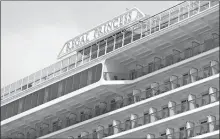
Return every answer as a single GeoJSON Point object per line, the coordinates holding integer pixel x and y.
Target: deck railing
{"type": "Point", "coordinates": [143, 95]}
{"type": "Point", "coordinates": [194, 131]}
{"type": "Point", "coordinates": [142, 29]}
{"type": "Point", "coordinates": [160, 63]}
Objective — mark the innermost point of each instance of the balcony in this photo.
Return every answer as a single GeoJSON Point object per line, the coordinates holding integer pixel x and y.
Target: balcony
{"type": "Point", "coordinates": [159, 63]}
{"type": "Point", "coordinates": [155, 116]}
{"type": "Point", "coordinates": [143, 29]}
{"type": "Point", "coordinates": [194, 131]}
{"type": "Point", "coordinates": [155, 90]}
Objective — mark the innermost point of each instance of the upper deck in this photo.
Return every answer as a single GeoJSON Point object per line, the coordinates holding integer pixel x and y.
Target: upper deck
{"type": "Point", "coordinates": [115, 55]}
{"type": "Point", "coordinates": [103, 46]}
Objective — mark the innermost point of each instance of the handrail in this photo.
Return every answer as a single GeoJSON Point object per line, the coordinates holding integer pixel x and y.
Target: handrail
{"type": "Point", "coordinates": [194, 50]}
{"type": "Point", "coordinates": [158, 115]}
{"type": "Point", "coordinates": [19, 86]}
{"type": "Point", "coordinates": [161, 88]}
{"type": "Point", "coordinates": [194, 131]}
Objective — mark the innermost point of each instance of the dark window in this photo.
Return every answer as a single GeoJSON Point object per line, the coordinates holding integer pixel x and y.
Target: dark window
{"type": "Point", "coordinates": [165, 112]}
{"type": "Point", "coordinates": [90, 75]}
{"type": "Point", "coordinates": [76, 79]}
{"type": "Point", "coordinates": [94, 51]}
{"type": "Point", "coordinates": [119, 37]}
{"type": "Point", "coordinates": [93, 74]}
{"type": "Point", "coordinates": [34, 99]}
{"type": "Point", "coordinates": [3, 112]}
{"type": "Point", "coordinates": [127, 37]}
{"type": "Point", "coordinates": [27, 102]}
{"type": "Point", "coordinates": [206, 71]}
{"type": "Point", "coordinates": [69, 85]}
{"type": "Point", "coordinates": [15, 109]}
{"type": "Point", "coordinates": [205, 98]}
{"type": "Point", "coordinates": [150, 67]}
{"type": "Point", "coordinates": [188, 52]}
{"type": "Point", "coordinates": [61, 86]}
{"type": "Point", "coordinates": [79, 57]}
{"type": "Point", "coordinates": [86, 54]}
{"type": "Point", "coordinates": [82, 116]}
{"type": "Point", "coordinates": [169, 60]}
{"type": "Point", "coordinates": [54, 91]}
{"type": "Point", "coordinates": [46, 94]}
{"type": "Point", "coordinates": [113, 104]}
{"type": "Point", "coordinates": [146, 118]}
{"type": "Point", "coordinates": [9, 109]}
{"type": "Point", "coordinates": [21, 105]}
{"type": "Point", "coordinates": [167, 86]}
{"type": "Point", "coordinates": [83, 78]}
{"type": "Point", "coordinates": [110, 129]}
{"type": "Point", "coordinates": [98, 72]}
{"type": "Point", "coordinates": [186, 78]}
{"type": "Point", "coordinates": [148, 92]}
{"type": "Point", "coordinates": [102, 45]}
{"type": "Point", "coordinates": [127, 124]}
{"type": "Point", "coordinates": [40, 99]}
{"type": "Point", "coordinates": [110, 44]}
{"type": "Point", "coordinates": [72, 62]}
{"type": "Point", "coordinates": [184, 106]}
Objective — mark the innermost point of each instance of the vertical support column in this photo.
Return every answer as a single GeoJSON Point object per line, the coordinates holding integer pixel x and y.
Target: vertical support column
{"type": "Point", "coordinates": [106, 46]}
{"type": "Point", "coordinates": [100, 132]}
{"type": "Point", "coordinates": [192, 101]}
{"type": "Point", "coordinates": [134, 120]}
{"type": "Point", "coordinates": [189, 128]}
{"type": "Point", "coordinates": [114, 42]}
{"type": "Point", "coordinates": [154, 87]}
{"type": "Point", "coordinates": [214, 67]}
{"type": "Point", "coordinates": [136, 92]}
{"type": "Point", "coordinates": [193, 74]}
{"type": "Point", "coordinates": [123, 38]}
{"type": "Point", "coordinates": [98, 44]}
{"type": "Point", "coordinates": [150, 136]}
{"type": "Point", "coordinates": [172, 107]}
{"type": "Point", "coordinates": [153, 115]}
{"type": "Point", "coordinates": [84, 134]}
{"type": "Point", "coordinates": [174, 81]}
{"type": "Point", "coordinates": [116, 126]}
{"type": "Point", "coordinates": [169, 133]}
{"type": "Point", "coordinates": [211, 122]}
{"type": "Point", "coordinates": [213, 94]}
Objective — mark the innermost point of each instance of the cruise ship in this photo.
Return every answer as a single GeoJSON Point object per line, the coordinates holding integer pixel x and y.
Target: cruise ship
{"type": "Point", "coordinates": [134, 76]}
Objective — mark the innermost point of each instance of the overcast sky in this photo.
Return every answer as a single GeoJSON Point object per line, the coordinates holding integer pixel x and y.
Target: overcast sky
{"type": "Point", "coordinates": [33, 33]}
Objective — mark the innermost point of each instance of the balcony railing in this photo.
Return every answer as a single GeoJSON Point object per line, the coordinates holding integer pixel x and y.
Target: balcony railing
{"type": "Point", "coordinates": [153, 117]}
{"type": "Point", "coordinates": [162, 63]}
{"type": "Point", "coordinates": [151, 92]}
{"type": "Point", "coordinates": [194, 131]}
{"type": "Point", "coordinates": [142, 29]}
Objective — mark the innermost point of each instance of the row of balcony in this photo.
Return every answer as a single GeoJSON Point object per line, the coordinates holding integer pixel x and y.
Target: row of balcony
{"type": "Point", "coordinates": [153, 115]}
{"type": "Point", "coordinates": [144, 28]}
{"type": "Point", "coordinates": [190, 130]}
{"type": "Point", "coordinates": [148, 117]}
{"type": "Point", "coordinates": [119, 102]}
{"type": "Point", "coordinates": [160, 63]}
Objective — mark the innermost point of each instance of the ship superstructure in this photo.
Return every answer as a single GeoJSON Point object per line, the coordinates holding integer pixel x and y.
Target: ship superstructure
{"type": "Point", "coordinates": [135, 76]}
